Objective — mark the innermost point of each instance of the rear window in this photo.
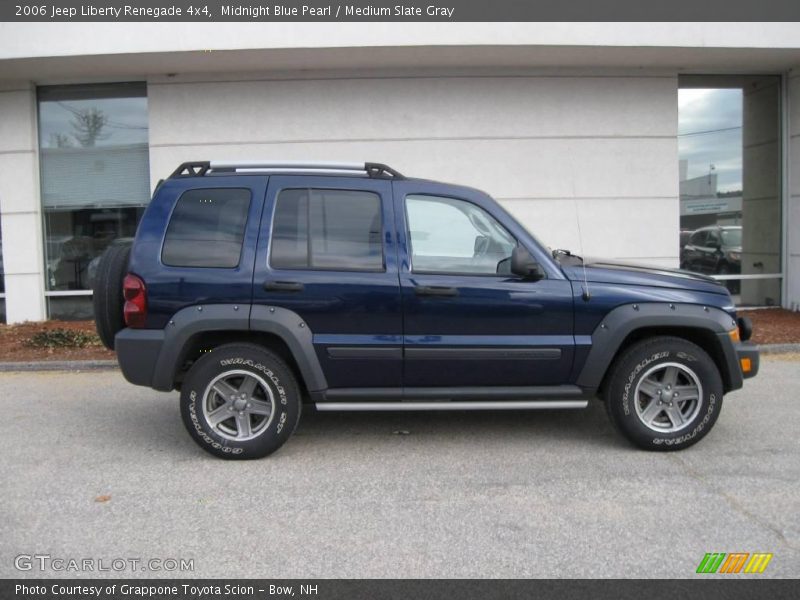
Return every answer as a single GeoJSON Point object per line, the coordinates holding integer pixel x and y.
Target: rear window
{"type": "Point", "coordinates": [207, 228]}
{"type": "Point", "coordinates": [327, 230]}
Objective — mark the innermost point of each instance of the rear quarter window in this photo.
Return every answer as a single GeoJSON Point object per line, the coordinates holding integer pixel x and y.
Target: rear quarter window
{"type": "Point", "coordinates": [207, 228]}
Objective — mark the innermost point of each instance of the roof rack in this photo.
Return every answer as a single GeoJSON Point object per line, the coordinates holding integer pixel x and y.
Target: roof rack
{"type": "Point", "coordinates": [202, 168]}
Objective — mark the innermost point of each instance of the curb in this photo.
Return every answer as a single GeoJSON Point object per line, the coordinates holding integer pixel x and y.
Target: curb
{"type": "Point", "coordinates": [778, 348]}
{"type": "Point", "coordinates": [59, 365]}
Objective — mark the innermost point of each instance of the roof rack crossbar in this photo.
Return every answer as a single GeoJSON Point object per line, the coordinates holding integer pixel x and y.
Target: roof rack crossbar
{"type": "Point", "coordinates": [200, 169]}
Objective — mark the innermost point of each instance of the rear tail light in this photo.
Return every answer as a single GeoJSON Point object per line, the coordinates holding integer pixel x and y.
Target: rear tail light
{"type": "Point", "coordinates": [135, 294]}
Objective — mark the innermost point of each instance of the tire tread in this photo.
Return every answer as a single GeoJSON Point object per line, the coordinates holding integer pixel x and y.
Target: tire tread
{"type": "Point", "coordinates": [645, 347]}
{"type": "Point", "coordinates": [107, 298]}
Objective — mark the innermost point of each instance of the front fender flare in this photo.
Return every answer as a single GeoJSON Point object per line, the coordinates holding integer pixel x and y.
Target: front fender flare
{"type": "Point", "coordinates": [619, 323]}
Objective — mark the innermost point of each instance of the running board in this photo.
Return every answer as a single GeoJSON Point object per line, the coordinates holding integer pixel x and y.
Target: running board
{"type": "Point", "coordinates": [463, 405]}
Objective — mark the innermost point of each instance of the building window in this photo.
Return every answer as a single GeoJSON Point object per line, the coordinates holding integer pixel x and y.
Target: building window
{"type": "Point", "coordinates": [93, 145]}
{"type": "Point", "coordinates": [730, 183]}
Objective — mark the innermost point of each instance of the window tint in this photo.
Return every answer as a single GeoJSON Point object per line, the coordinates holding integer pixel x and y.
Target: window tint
{"type": "Point", "coordinates": [713, 238]}
{"type": "Point", "coordinates": [698, 238]}
{"type": "Point", "coordinates": [327, 229]}
{"type": "Point", "coordinates": [207, 228]}
{"type": "Point", "coordinates": [454, 236]}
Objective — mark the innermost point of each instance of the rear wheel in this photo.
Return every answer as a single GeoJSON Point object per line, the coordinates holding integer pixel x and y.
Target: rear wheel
{"type": "Point", "coordinates": [240, 401]}
{"type": "Point", "coordinates": [664, 393]}
{"type": "Point", "coordinates": [107, 298]}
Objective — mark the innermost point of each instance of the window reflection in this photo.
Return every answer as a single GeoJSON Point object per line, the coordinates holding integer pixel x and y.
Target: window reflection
{"type": "Point", "coordinates": [2, 281]}
{"type": "Point", "coordinates": [94, 165]}
{"type": "Point", "coordinates": [730, 208]}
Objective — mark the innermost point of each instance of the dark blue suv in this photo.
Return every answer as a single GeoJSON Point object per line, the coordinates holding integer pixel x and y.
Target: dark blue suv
{"type": "Point", "coordinates": [254, 288]}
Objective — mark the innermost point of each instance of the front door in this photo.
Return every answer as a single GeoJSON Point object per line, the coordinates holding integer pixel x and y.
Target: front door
{"type": "Point", "coordinates": [326, 251]}
{"type": "Point", "coordinates": [467, 320]}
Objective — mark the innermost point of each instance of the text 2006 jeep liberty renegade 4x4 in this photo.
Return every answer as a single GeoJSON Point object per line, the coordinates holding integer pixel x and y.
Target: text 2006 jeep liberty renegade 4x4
{"type": "Point", "coordinates": [255, 287]}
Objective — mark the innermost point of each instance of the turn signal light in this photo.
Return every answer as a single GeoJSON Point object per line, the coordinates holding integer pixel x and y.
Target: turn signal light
{"type": "Point", "coordinates": [747, 365]}
{"type": "Point", "coordinates": [135, 294]}
{"type": "Point", "coordinates": [734, 333]}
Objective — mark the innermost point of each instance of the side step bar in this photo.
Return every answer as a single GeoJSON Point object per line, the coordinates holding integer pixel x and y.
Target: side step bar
{"type": "Point", "coordinates": [438, 405]}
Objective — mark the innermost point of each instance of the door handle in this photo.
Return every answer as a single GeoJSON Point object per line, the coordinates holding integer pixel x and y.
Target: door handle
{"type": "Point", "coordinates": [435, 290]}
{"type": "Point", "coordinates": [283, 286]}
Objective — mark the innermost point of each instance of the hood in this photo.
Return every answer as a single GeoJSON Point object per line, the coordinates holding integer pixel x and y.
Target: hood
{"type": "Point", "coordinates": [606, 271]}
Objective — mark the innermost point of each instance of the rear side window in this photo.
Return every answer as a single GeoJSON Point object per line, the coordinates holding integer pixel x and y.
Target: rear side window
{"type": "Point", "coordinates": [327, 230]}
{"type": "Point", "coordinates": [207, 228]}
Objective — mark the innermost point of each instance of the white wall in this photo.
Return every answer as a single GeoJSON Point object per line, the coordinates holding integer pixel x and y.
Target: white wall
{"type": "Point", "coordinates": [33, 39]}
{"type": "Point", "coordinates": [545, 145]}
{"type": "Point", "coordinates": [19, 204]}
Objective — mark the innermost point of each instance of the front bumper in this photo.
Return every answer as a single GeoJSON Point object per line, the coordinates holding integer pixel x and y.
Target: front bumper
{"type": "Point", "coordinates": [748, 359]}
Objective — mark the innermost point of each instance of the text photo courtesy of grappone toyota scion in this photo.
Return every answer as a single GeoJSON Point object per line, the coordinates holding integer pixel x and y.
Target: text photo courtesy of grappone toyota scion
{"type": "Point", "coordinates": [255, 288]}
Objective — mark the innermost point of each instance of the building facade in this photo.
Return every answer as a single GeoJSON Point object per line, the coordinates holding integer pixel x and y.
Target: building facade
{"type": "Point", "coordinates": [607, 139]}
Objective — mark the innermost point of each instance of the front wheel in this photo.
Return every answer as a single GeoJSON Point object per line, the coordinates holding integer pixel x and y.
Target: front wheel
{"type": "Point", "coordinates": [664, 393]}
{"type": "Point", "coordinates": [240, 401]}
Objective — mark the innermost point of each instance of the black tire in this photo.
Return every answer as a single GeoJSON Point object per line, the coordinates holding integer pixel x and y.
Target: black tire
{"type": "Point", "coordinates": [635, 381]}
{"type": "Point", "coordinates": [225, 364]}
{"type": "Point", "coordinates": [107, 293]}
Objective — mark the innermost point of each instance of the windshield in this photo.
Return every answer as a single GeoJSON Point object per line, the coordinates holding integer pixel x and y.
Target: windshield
{"type": "Point", "coordinates": [732, 237]}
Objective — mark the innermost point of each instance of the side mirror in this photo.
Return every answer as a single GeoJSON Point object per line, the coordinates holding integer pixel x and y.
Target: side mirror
{"type": "Point", "coordinates": [523, 265]}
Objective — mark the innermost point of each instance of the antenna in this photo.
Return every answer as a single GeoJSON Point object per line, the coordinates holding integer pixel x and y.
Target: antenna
{"type": "Point", "coordinates": [585, 295]}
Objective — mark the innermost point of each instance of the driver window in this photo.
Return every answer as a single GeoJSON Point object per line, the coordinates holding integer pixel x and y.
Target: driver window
{"type": "Point", "coordinates": [452, 236]}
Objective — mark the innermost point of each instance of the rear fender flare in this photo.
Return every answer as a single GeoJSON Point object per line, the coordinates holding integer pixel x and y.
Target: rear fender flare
{"type": "Point", "coordinates": [297, 335]}
{"type": "Point", "coordinates": [195, 320]}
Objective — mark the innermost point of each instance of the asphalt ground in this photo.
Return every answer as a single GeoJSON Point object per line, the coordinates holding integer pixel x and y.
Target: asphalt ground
{"type": "Point", "coordinates": [93, 467]}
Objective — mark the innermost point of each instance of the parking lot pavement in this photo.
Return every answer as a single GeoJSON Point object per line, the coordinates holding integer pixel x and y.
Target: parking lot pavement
{"type": "Point", "coordinates": [537, 494]}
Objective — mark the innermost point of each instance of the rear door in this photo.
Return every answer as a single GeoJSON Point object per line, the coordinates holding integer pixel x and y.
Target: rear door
{"type": "Point", "coordinates": [467, 320]}
{"type": "Point", "coordinates": [326, 251]}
